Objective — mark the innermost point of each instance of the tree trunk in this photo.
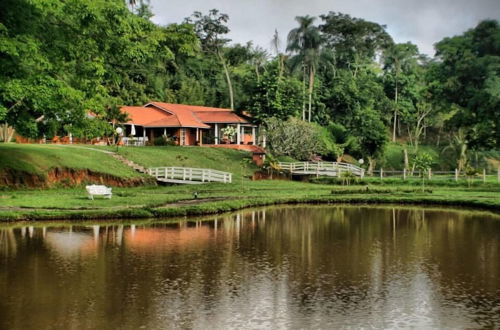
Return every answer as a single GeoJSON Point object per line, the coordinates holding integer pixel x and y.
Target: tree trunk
{"type": "Point", "coordinates": [407, 163]}
{"type": "Point", "coordinates": [371, 165]}
{"type": "Point", "coordinates": [7, 132]}
{"type": "Point", "coordinates": [303, 93]}
{"type": "Point", "coordinates": [311, 85]}
{"type": "Point", "coordinates": [228, 79]}
{"type": "Point", "coordinates": [395, 112]}
{"type": "Point", "coordinates": [281, 65]}
{"type": "Point", "coordinates": [11, 135]}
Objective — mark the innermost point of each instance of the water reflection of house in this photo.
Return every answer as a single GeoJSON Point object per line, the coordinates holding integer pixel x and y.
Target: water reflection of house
{"type": "Point", "coordinates": [167, 238]}
{"type": "Point", "coordinates": [69, 243]}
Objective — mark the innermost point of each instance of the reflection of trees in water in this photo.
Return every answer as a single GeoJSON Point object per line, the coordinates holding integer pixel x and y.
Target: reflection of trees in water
{"type": "Point", "coordinates": [287, 260]}
{"type": "Point", "coordinates": [8, 244]}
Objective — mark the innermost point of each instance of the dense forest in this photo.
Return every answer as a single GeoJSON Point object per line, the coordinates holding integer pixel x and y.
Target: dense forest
{"type": "Point", "coordinates": [334, 85]}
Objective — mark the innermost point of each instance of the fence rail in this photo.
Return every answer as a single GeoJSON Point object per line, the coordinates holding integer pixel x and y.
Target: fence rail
{"type": "Point", "coordinates": [189, 175]}
{"type": "Point", "coordinates": [483, 175]}
{"type": "Point", "coordinates": [321, 168]}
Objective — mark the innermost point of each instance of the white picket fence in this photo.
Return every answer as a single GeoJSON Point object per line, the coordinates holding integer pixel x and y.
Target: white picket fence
{"type": "Point", "coordinates": [456, 175]}
{"type": "Point", "coordinates": [189, 175]}
{"type": "Point", "coordinates": [321, 168]}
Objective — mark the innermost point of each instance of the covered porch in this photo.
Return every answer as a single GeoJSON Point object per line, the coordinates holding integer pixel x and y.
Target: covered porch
{"type": "Point", "coordinates": [136, 135]}
{"type": "Point", "coordinates": [245, 134]}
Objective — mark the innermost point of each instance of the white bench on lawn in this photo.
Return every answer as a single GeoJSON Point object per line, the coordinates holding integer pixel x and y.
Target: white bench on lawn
{"type": "Point", "coordinates": [96, 190]}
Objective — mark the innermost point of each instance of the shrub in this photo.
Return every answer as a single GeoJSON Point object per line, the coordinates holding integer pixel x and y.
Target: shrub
{"type": "Point", "coordinates": [295, 138]}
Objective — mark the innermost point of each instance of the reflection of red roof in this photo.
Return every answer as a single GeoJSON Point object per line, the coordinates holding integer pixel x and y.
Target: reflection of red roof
{"type": "Point", "coordinates": [167, 238]}
{"type": "Point", "coordinates": [158, 114]}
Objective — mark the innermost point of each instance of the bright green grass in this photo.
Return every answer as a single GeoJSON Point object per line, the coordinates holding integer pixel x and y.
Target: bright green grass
{"type": "Point", "coordinates": [167, 201]}
{"type": "Point", "coordinates": [39, 159]}
{"type": "Point", "coordinates": [237, 162]}
{"type": "Point", "coordinates": [393, 158]}
{"type": "Point", "coordinates": [444, 160]}
{"type": "Point", "coordinates": [143, 202]}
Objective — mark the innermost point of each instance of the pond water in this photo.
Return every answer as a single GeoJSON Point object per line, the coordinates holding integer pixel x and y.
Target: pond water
{"type": "Point", "coordinates": [282, 267]}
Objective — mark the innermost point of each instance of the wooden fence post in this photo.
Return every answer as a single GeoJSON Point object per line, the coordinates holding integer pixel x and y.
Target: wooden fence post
{"type": "Point", "coordinates": [456, 174]}
{"type": "Point", "coordinates": [404, 173]}
{"type": "Point", "coordinates": [429, 173]}
{"type": "Point", "coordinates": [381, 173]}
{"type": "Point", "coordinates": [484, 175]}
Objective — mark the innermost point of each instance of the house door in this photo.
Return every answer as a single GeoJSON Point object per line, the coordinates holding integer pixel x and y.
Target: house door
{"type": "Point", "coordinates": [183, 137]}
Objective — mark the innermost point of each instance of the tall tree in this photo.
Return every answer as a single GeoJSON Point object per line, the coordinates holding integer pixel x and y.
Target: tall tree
{"type": "Point", "coordinates": [275, 95]}
{"type": "Point", "coordinates": [211, 28]}
{"type": "Point", "coordinates": [399, 59]}
{"type": "Point", "coordinates": [466, 76]}
{"type": "Point", "coordinates": [355, 41]}
{"type": "Point", "coordinates": [305, 43]}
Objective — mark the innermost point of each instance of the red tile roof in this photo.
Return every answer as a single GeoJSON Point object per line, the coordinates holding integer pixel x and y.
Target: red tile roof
{"type": "Point", "coordinates": [202, 114]}
{"type": "Point", "coordinates": [155, 117]}
{"type": "Point", "coordinates": [185, 107]}
{"type": "Point", "coordinates": [228, 117]}
{"type": "Point", "coordinates": [142, 116]}
{"type": "Point", "coordinates": [159, 114]}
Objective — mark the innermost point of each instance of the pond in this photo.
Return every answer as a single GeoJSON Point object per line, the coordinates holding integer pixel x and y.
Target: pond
{"type": "Point", "coordinates": [280, 267]}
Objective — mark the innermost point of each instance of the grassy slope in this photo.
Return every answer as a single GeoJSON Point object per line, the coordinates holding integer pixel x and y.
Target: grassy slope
{"type": "Point", "coordinates": [39, 159]}
{"type": "Point", "coordinates": [237, 162]}
{"type": "Point", "coordinates": [393, 158]}
{"type": "Point", "coordinates": [142, 202]}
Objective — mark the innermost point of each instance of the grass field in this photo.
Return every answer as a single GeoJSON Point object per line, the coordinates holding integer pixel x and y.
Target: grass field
{"type": "Point", "coordinates": [39, 159]}
{"type": "Point", "coordinates": [444, 159]}
{"type": "Point", "coordinates": [166, 201]}
{"type": "Point", "coordinates": [169, 201]}
{"type": "Point", "coordinates": [237, 162]}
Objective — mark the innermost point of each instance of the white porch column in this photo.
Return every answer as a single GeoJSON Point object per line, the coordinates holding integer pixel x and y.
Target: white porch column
{"type": "Point", "coordinates": [197, 134]}
{"type": "Point", "coordinates": [253, 136]}
{"type": "Point", "coordinates": [216, 133]}
{"type": "Point", "coordinates": [238, 134]}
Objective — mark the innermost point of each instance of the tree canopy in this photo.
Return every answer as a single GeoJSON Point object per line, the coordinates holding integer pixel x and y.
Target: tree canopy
{"type": "Point", "coordinates": [61, 59]}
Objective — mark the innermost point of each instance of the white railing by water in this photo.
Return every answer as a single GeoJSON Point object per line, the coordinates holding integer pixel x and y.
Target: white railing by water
{"type": "Point", "coordinates": [321, 168]}
{"type": "Point", "coordinates": [189, 175]}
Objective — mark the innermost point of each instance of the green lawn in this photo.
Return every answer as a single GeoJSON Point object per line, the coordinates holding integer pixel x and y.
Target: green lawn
{"type": "Point", "coordinates": [177, 200]}
{"type": "Point", "coordinates": [163, 201]}
{"type": "Point", "coordinates": [39, 159]}
{"type": "Point", "coordinates": [443, 158]}
{"type": "Point", "coordinates": [233, 161]}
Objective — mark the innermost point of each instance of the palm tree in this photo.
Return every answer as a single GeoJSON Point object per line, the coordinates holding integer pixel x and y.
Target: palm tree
{"type": "Point", "coordinates": [458, 146]}
{"type": "Point", "coordinates": [398, 58]}
{"type": "Point", "coordinates": [258, 58]}
{"type": "Point", "coordinates": [305, 42]}
{"type": "Point", "coordinates": [276, 47]}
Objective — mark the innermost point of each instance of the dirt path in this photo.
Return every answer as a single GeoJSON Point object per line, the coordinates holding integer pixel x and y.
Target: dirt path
{"type": "Point", "coordinates": [181, 203]}
{"type": "Point", "coordinates": [189, 202]}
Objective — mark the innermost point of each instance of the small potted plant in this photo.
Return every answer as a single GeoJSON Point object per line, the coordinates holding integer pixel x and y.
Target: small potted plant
{"type": "Point", "coordinates": [228, 133]}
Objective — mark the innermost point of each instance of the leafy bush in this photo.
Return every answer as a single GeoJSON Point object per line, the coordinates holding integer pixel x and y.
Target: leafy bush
{"type": "Point", "coordinates": [295, 138]}
{"type": "Point", "coordinates": [163, 141]}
